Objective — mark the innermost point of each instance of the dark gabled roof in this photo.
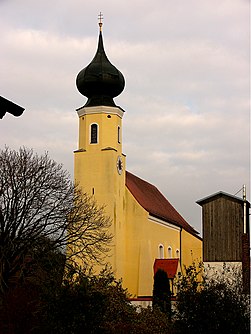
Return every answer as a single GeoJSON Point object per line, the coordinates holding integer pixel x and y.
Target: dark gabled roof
{"type": "Point", "coordinates": [10, 107]}
{"type": "Point", "coordinates": [219, 195]}
{"type": "Point", "coordinates": [152, 200]}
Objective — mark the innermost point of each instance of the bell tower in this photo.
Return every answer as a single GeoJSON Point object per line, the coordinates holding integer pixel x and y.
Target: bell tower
{"type": "Point", "coordinates": [99, 164]}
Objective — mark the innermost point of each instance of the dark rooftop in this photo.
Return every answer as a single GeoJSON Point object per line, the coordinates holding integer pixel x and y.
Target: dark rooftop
{"type": "Point", "coordinates": [152, 200]}
{"type": "Point", "coordinates": [217, 195]}
{"type": "Point", "coordinates": [10, 107]}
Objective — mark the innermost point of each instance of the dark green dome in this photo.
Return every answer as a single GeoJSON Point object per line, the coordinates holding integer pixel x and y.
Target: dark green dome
{"type": "Point", "coordinates": [100, 81]}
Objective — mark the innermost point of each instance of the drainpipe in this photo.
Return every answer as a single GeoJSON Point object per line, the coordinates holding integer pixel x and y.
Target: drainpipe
{"type": "Point", "coordinates": [245, 249]}
{"type": "Point", "coordinates": [181, 267]}
{"type": "Point", "coordinates": [245, 210]}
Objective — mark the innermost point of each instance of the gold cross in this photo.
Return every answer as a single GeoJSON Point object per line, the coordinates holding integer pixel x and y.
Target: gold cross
{"type": "Point", "coordinates": [100, 17]}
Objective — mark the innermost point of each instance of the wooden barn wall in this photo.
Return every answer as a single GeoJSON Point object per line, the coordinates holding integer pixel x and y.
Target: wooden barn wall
{"type": "Point", "coordinates": [222, 230]}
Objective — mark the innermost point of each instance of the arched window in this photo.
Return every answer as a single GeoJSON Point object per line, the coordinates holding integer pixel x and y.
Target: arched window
{"type": "Point", "coordinates": [94, 133]}
{"type": "Point", "coordinates": [169, 252]}
{"type": "Point", "coordinates": [177, 253]}
{"type": "Point", "coordinates": [161, 252]}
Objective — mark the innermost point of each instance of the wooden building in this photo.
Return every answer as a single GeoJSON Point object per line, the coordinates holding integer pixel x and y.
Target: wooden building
{"type": "Point", "coordinates": [223, 227]}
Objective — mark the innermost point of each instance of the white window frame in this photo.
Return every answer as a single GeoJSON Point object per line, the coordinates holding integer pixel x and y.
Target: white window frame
{"type": "Point", "coordinates": [161, 251]}
{"type": "Point", "coordinates": [90, 133]}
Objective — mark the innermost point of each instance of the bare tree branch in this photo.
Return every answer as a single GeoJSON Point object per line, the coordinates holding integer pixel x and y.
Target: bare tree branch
{"type": "Point", "coordinates": [38, 202]}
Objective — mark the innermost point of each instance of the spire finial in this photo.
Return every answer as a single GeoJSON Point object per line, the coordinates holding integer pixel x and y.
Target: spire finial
{"type": "Point", "coordinates": [100, 17]}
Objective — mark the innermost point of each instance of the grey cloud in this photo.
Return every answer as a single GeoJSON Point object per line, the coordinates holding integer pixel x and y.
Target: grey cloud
{"type": "Point", "coordinates": [186, 64]}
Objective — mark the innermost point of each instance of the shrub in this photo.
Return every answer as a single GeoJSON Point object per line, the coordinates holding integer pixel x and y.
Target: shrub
{"type": "Point", "coordinates": [211, 305]}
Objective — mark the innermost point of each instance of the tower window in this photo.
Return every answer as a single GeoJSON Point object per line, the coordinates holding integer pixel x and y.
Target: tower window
{"type": "Point", "coordinates": [94, 133]}
{"type": "Point", "coordinates": [161, 252]}
{"type": "Point", "coordinates": [119, 135]}
{"type": "Point", "coordinates": [177, 253]}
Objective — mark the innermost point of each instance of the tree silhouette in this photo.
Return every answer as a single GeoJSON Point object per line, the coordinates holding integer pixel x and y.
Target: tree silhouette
{"type": "Point", "coordinates": [42, 211]}
{"type": "Point", "coordinates": [161, 292]}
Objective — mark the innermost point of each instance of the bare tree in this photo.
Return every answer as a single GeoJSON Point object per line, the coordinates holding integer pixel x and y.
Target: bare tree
{"type": "Point", "coordinates": [42, 211]}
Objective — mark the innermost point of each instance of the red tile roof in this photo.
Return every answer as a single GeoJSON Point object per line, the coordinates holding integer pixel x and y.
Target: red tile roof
{"type": "Point", "coordinates": [151, 199]}
{"type": "Point", "coordinates": [170, 266]}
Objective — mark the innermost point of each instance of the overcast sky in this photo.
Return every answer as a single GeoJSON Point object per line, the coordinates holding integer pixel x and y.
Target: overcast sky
{"type": "Point", "coordinates": [186, 66]}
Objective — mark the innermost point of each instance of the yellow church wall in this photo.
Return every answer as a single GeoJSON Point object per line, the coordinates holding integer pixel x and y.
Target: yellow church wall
{"type": "Point", "coordinates": [191, 249]}
{"type": "Point", "coordinates": [142, 239]}
{"type": "Point", "coordinates": [98, 182]}
{"type": "Point", "coordinates": [135, 217]}
{"type": "Point", "coordinates": [94, 173]}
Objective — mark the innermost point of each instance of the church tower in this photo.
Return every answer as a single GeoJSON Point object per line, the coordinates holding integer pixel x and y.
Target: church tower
{"type": "Point", "coordinates": [148, 233]}
{"type": "Point", "coordinates": [99, 164]}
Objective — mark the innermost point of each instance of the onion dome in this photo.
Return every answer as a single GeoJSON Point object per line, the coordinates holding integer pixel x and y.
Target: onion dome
{"type": "Point", "coordinates": [100, 81]}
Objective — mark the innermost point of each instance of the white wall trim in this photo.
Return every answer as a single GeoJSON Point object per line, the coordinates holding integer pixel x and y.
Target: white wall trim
{"type": "Point", "coordinates": [162, 222]}
{"type": "Point", "coordinates": [100, 109]}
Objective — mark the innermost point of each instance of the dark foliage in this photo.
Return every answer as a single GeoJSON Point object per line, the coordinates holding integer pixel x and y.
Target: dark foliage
{"type": "Point", "coordinates": [21, 304]}
{"type": "Point", "coordinates": [18, 309]}
{"type": "Point", "coordinates": [76, 306]}
{"type": "Point", "coordinates": [214, 305]}
{"type": "Point", "coordinates": [95, 305]}
{"type": "Point", "coordinates": [87, 304]}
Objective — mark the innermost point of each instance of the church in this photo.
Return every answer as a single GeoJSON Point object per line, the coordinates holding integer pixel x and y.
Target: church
{"type": "Point", "coordinates": [148, 232]}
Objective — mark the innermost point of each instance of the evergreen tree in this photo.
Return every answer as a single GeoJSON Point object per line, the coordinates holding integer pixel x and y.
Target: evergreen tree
{"type": "Point", "coordinates": [161, 292]}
